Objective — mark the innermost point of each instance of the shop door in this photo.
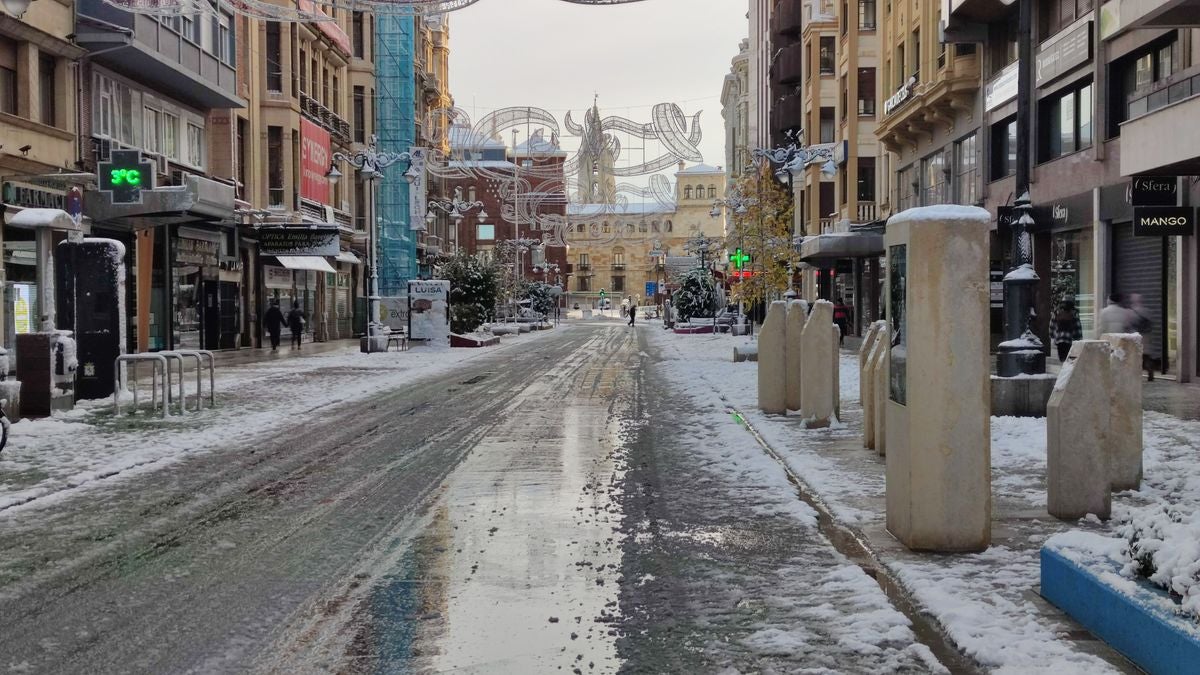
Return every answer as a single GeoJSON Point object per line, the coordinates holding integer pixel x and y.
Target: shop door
{"type": "Point", "coordinates": [230, 309]}
{"type": "Point", "coordinates": [211, 315]}
{"type": "Point", "coordinates": [1138, 268]}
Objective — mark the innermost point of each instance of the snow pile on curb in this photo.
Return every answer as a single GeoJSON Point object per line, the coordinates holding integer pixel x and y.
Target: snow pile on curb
{"type": "Point", "coordinates": [1163, 545]}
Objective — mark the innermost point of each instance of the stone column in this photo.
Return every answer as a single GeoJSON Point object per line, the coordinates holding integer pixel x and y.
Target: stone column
{"type": "Point", "coordinates": [1125, 411]}
{"type": "Point", "coordinates": [817, 387]}
{"type": "Point", "coordinates": [1077, 434]}
{"type": "Point", "coordinates": [864, 355]}
{"type": "Point", "coordinates": [772, 360]}
{"type": "Point", "coordinates": [938, 426]}
{"type": "Point", "coordinates": [797, 312]}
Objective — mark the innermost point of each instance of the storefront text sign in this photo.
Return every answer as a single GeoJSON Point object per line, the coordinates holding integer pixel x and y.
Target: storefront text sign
{"type": "Point", "coordinates": [1002, 88]}
{"type": "Point", "coordinates": [314, 162]}
{"type": "Point", "coordinates": [897, 99]}
{"type": "Point", "coordinates": [1060, 54]}
{"type": "Point", "coordinates": [196, 252]}
{"type": "Point", "coordinates": [32, 196]}
{"type": "Point", "coordinates": [1154, 191]}
{"type": "Point", "coordinates": [1163, 221]}
{"type": "Point", "coordinates": [276, 277]}
{"type": "Point", "coordinates": [298, 241]}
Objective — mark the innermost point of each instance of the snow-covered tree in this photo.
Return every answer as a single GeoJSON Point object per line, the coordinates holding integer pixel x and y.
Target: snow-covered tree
{"type": "Point", "coordinates": [474, 286]}
{"type": "Point", "coordinates": [540, 296]}
{"type": "Point", "coordinates": [696, 295]}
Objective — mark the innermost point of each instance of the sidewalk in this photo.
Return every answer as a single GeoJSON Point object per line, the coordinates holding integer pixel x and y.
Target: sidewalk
{"type": "Point", "coordinates": [986, 604]}
{"type": "Point", "coordinates": [237, 357]}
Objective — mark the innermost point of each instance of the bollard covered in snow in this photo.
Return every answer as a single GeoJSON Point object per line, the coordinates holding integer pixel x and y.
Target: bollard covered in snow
{"type": "Point", "coordinates": [836, 361]}
{"type": "Point", "coordinates": [878, 345]}
{"type": "Point", "coordinates": [864, 358]}
{"type": "Point", "coordinates": [797, 312]}
{"type": "Point", "coordinates": [746, 352]}
{"type": "Point", "coordinates": [817, 387]}
{"type": "Point", "coordinates": [1125, 410]}
{"type": "Point", "coordinates": [772, 360]}
{"type": "Point", "coordinates": [879, 387]}
{"type": "Point", "coordinates": [1077, 434]}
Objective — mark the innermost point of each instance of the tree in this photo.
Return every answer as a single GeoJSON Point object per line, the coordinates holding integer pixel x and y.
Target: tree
{"type": "Point", "coordinates": [764, 232]}
{"type": "Point", "coordinates": [474, 286]}
{"type": "Point", "coordinates": [540, 296]}
{"type": "Point", "coordinates": [696, 295]}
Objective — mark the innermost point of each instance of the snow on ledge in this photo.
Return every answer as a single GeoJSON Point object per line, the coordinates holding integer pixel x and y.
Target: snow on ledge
{"type": "Point", "coordinates": [941, 212]}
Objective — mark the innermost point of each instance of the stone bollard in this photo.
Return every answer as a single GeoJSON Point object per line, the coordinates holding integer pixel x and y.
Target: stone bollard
{"type": "Point", "coordinates": [879, 373]}
{"type": "Point", "coordinates": [817, 389]}
{"type": "Point", "coordinates": [836, 361]}
{"type": "Point", "coordinates": [746, 352]}
{"type": "Point", "coordinates": [938, 428]}
{"type": "Point", "coordinates": [1125, 411]}
{"type": "Point", "coordinates": [1077, 434]}
{"type": "Point", "coordinates": [772, 363]}
{"type": "Point", "coordinates": [864, 355]}
{"type": "Point", "coordinates": [878, 344]}
{"type": "Point", "coordinates": [797, 313]}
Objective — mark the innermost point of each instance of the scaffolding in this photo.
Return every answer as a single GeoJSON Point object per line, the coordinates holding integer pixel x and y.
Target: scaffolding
{"type": "Point", "coordinates": [395, 109]}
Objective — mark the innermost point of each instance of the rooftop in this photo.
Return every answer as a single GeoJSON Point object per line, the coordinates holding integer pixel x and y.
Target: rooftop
{"type": "Point", "coordinates": [701, 169]}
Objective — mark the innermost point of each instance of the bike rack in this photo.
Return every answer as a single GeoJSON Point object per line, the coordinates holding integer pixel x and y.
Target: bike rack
{"type": "Point", "coordinates": [159, 369]}
{"type": "Point", "coordinates": [200, 355]}
{"type": "Point", "coordinates": [178, 357]}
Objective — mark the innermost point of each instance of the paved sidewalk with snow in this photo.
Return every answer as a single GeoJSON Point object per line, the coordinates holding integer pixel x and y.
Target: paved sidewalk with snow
{"type": "Point", "coordinates": [986, 603]}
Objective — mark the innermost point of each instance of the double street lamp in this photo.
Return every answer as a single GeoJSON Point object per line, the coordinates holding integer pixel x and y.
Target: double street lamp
{"type": "Point", "coordinates": [370, 163]}
{"type": "Point", "coordinates": [457, 208]}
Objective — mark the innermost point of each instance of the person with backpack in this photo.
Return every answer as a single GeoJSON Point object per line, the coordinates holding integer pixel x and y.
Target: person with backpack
{"type": "Point", "coordinates": [295, 321]}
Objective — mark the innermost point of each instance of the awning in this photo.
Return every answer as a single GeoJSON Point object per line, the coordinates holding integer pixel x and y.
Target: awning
{"type": "Point", "coordinates": [347, 257]}
{"type": "Point", "coordinates": [38, 218]}
{"type": "Point", "coordinates": [305, 262]}
{"type": "Point", "coordinates": [841, 245]}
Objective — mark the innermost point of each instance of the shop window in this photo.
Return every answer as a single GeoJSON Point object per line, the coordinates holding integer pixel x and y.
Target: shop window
{"type": "Point", "coordinates": [1065, 122]}
{"type": "Point", "coordinates": [1004, 149]}
{"type": "Point", "coordinates": [828, 50]}
{"type": "Point", "coordinates": [966, 171]}
{"type": "Point", "coordinates": [866, 92]}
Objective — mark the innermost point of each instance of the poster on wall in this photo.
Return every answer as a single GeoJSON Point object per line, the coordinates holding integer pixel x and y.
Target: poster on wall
{"type": "Point", "coordinates": [429, 311]}
{"type": "Point", "coordinates": [314, 162]}
{"type": "Point", "coordinates": [393, 312]}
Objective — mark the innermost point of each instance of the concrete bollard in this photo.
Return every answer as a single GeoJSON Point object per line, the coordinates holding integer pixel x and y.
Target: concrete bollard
{"type": "Point", "coordinates": [879, 373]}
{"type": "Point", "coordinates": [816, 387]}
{"type": "Point", "coordinates": [746, 352]}
{"type": "Point", "coordinates": [772, 364]}
{"type": "Point", "coordinates": [878, 344]}
{"type": "Point", "coordinates": [1125, 410]}
{"type": "Point", "coordinates": [797, 313]}
{"type": "Point", "coordinates": [836, 360]}
{"type": "Point", "coordinates": [1077, 434]}
{"type": "Point", "coordinates": [864, 356]}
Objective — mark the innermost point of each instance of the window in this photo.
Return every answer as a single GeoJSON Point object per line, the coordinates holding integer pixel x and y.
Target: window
{"type": "Point", "coordinates": [934, 172]}
{"type": "Point", "coordinates": [46, 89]}
{"type": "Point", "coordinates": [170, 134]}
{"type": "Point", "coordinates": [1133, 75]}
{"type": "Point", "coordinates": [208, 35]}
{"type": "Point", "coordinates": [485, 232]}
{"type": "Point", "coordinates": [579, 228]}
{"type": "Point", "coordinates": [152, 130]}
{"type": "Point", "coordinates": [643, 227]}
{"type": "Point", "coordinates": [325, 88]}
{"type": "Point", "coordinates": [618, 284]}
{"type": "Point", "coordinates": [916, 55]}
{"type": "Point", "coordinates": [901, 64]}
{"type": "Point", "coordinates": [687, 192]}
{"type": "Point", "coordinates": [712, 192]}
{"type": "Point", "coordinates": [906, 188]}
{"type": "Point", "coordinates": [226, 44]}
{"type": "Point", "coordinates": [866, 92]}
{"type": "Point", "coordinates": [827, 128]}
{"type": "Point", "coordinates": [844, 104]}
{"type": "Point", "coordinates": [966, 171]}
{"type": "Point", "coordinates": [827, 54]}
{"type": "Point", "coordinates": [583, 257]}
{"type": "Point", "coordinates": [866, 179]}
{"type": "Point", "coordinates": [360, 115]}
{"type": "Point", "coordinates": [360, 205]}
{"type": "Point", "coordinates": [844, 17]}
{"type": "Point", "coordinates": [274, 166]}
{"type": "Point", "coordinates": [1056, 15]}
{"type": "Point", "coordinates": [866, 14]}
{"type": "Point", "coordinates": [1065, 123]}
{"type": "Point", "coordinates": [336, 104]}
{"type": "Point", "coordinates": [1004, 148]}
{"type": "Point", "coordinates": [357, 31]}
{"type": "Point", "coordinates": [618, 258]}
{"type": "Point", "coordinates": [190, 28]}
{"type": "Point", "coordinates": [274, 58]}
{"type": "Point", "coordinates": [195, 145]}
{"type": "Point", "coordinates": [585, 283]}
{"type": "Point", "coordinates": [8, 90]}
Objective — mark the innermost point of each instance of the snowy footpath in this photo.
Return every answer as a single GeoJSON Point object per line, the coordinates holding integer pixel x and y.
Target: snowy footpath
{"type": "Point", "coordinates": [62, 456]}
{"type": "Point", "coordinates": [986, 604]}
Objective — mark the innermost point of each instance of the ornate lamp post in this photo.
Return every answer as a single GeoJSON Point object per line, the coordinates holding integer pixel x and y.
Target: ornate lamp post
{"type": "Point", "coordinates": [370, 163]}
{"type": "Point", "coordinates": [456, 208]}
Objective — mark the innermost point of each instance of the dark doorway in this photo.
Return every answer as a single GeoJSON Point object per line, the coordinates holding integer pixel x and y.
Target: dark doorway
{"type": "Point", "coordinates": [210, 315]}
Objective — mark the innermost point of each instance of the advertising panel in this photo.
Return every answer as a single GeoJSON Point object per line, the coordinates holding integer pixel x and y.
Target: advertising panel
{"type": "Point", "coordinates": [429, 311]}
{"type": "Point", "coordinates": [314, 162]}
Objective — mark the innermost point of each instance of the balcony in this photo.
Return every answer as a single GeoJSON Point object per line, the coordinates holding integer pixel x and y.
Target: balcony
{"type": "Point", "coordinates": [617, 267]}
{"type": "Point", "coordinates": [789, 18]}
{"type": "Point", "coordinates": [790, 65]}
{"type": "Point", "coordinates": [1147, 145]}
{"type": "Point", "coordinates": [335, 124]}
{"type": "Point", "coordinates": [868, 212]}
{"type": "Point", "coordinates": [583, 267]}
{"type": "Point", "coordinates": [916, 110]}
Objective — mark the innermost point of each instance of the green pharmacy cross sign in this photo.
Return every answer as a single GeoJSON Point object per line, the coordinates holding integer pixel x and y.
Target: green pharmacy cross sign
{"type": "Point", "coordinates": [739, 259]}
{"type": "Point", "coordinates": [125, 175]}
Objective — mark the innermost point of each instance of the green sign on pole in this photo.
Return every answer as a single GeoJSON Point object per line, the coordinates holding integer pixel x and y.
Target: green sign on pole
{"type": "Point", "coordinates": [125, 175]}
{"type": "Point", "coordinates": [739, 259]}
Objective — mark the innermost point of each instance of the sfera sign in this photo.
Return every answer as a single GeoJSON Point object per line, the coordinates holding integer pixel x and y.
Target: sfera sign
{"type": "Point", "coordinates": [1164, 221]}
{"type": "Point", "coordinates": [1154, 191]}
{"type": "Point", "coordinates": [901, 96]}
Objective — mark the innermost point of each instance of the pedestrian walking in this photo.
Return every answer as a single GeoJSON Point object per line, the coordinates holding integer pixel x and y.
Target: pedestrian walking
{"type": "Point", "coordinates": [1116, 316]}
{"type": "Point", "coordinates": [295, 321]}
{"type": "Point", "coordinates": [273, 320]}
{"type": "Point", "coordinates": [632, 314]}
{"type": "Point", "coordinates": [1140, 323]}
{"type": "Point", "coordinates": [1066, 329]}
{"type": "Point", "coordinates": [841, 316]}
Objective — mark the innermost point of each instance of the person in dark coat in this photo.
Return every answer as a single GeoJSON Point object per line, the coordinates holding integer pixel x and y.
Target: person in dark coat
{"type": "Point", "coordinates": [1066, 328]}
{"type": "Point", "coordinates": [632, 313]}
{"type": "Point", "coordinates": [841, 317]}
{"type": "Point", "coordinates": [274, 323]}
{"type": "Point", "coordinates": [295, 321]}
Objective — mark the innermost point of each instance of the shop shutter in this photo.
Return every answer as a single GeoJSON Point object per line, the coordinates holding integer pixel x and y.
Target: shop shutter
{"type": "Point", "coordinates": [1138, 268]}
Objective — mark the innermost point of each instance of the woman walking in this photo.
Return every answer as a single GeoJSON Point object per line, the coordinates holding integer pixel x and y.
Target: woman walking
{"type": "Point", "coordinates": [1066, 329]}
{"type": "Point", "coordinates": [295, 321]}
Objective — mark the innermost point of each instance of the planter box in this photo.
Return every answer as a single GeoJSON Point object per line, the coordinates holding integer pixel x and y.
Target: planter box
{"type": "Point", "coordinates": [467, 341]}
{"type": "Point", "coordinates": [694, 330]}
{"type": "Point", "coordinates": [1134, 617]}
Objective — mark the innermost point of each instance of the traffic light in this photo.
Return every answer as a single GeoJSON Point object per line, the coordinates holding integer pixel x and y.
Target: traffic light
{"type": "Point", "coordinates": [602, 293]}
{"type": "Point", "coordinates": [125, 175]}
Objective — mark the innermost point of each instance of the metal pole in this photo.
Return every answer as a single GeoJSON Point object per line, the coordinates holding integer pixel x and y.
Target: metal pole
{"type": "Point", "coordinates": [372, 270]}
{"type": "Point", "coordinates": [1021, 351]}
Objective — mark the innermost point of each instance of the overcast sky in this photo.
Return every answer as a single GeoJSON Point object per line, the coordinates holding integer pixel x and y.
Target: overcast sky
{"type": "Point", "coordinates": [557, 55]}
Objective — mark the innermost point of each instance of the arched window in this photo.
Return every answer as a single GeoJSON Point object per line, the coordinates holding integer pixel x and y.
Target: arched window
{"type": "Point", "coordinates": [642, 227]}
{"type": "Point", "coordinates": [618, 254]}
{"type": "Point", "coordinates": [669, 227]}
{"type": "Point", "coordinates": [605, 228]}
{"type": "Point", "coordinates": [687, 192]}
{"type": "Point", "coordinates": [712, 191]}
{"type": "Point", "coordinates": [579, 228]}
{"type": "Point", "coordinates": [655, 227]}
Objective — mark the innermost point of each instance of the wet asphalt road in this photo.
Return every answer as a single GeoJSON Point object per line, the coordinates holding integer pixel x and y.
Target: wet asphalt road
{"type": "Point", "coordinates": [531, 512]}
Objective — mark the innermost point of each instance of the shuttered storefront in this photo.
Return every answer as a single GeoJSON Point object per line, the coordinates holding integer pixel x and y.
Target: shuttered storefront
{"type": "Point", "coordinates": [1137, 267]}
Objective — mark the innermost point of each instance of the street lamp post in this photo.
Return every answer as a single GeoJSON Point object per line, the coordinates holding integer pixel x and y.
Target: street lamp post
{"type": "Point", "coordinates": [738, 204]}
{"type": "Point", "coordinates": [370, 163]}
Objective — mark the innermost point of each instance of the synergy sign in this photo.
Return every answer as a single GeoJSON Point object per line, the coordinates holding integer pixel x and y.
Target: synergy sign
{"type": "Point", "coordinates": [314, 162]}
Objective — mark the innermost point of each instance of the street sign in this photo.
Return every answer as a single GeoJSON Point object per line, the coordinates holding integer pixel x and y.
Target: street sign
{"type": "Point", "coordinates": [651, 288]}
{"type": "Point", "coordinates": [125, 175]}
{"type": "Point", "coordinates": [1164, 221]}
{"type": "Point", "coordinates": [1154, 191]}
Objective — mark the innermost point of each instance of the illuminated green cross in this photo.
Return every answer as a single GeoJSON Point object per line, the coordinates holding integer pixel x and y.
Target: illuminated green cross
{"type": "Point", "coordinates": [739, 259]}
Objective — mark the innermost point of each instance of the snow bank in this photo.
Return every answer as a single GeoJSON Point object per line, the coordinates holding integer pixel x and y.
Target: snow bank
{"type": "Point", "coordinates": [941, 212]}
